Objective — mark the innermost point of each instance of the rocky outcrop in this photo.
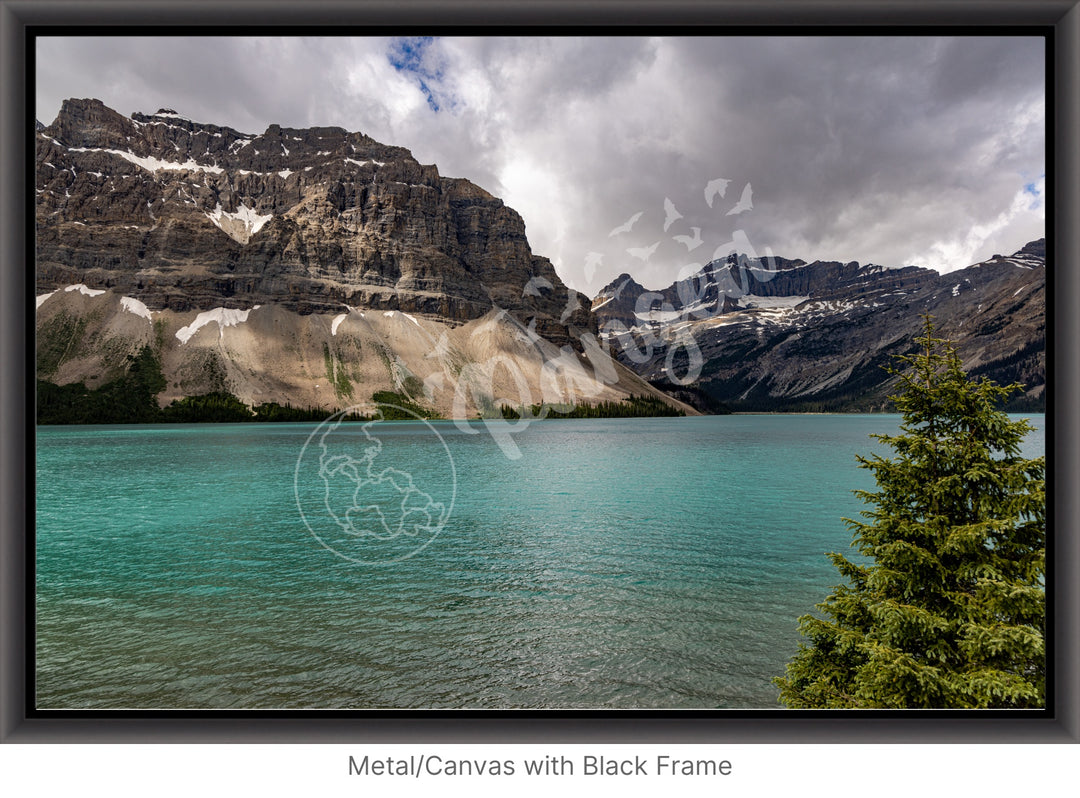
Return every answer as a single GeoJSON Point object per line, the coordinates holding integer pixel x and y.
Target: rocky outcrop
{"type": "Point", "coordinates": [184, 215]}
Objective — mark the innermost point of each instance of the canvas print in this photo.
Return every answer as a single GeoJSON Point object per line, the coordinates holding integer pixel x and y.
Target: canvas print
{"type": "Point", "coordinates": [694, 373]}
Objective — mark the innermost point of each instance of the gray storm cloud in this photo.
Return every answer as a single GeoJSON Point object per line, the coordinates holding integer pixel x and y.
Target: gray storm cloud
{"type": "Point", "coordinates": [926, 151]}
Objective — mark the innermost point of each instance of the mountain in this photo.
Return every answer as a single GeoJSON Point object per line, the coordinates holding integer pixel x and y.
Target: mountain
{"type": "Point", "coordinates": [316, 267]}
{"type": "Point", "coordinates": [313, 267]}
{"type": "Point", "coordinates": [778, 334]}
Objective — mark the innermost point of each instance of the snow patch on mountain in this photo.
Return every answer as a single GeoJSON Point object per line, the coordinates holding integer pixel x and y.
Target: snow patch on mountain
{"type": "Point", "coordinates": [772, 302]}
{"type": "Point", "coordinates": [225, 317]}
{"type": "Point", "coordinates": [154, 164]}
{"type": "Point", "coordinates": [171, 115]}
{"type": "Point", "coordinates": [82, 289]}
{"type": "Point", "coordinates": [135, 306]}
{"type": "Point", "coordinates": [241, 224]}
{"type": "Point", "coordinates": [660, 316]}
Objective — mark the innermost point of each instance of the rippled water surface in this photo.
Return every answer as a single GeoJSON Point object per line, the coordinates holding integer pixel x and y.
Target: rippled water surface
{"type": "Point", "coordinates": [614, 563]}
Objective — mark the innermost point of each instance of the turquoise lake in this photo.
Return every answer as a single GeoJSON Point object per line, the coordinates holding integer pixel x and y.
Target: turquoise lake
{"type": "Point", "coordinates": [609, 563]}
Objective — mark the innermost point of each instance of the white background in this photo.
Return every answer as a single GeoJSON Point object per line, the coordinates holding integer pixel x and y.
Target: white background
{"type": "Point", "coordinates": [299, 771]}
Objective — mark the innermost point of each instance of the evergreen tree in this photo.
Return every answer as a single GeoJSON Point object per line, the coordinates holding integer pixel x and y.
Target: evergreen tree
{"type": "Point", "coordinates": [947, 607]}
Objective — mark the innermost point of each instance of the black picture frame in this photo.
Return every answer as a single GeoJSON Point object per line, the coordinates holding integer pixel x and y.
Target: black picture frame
{"type": "Point", "coordinates": [20, 20]}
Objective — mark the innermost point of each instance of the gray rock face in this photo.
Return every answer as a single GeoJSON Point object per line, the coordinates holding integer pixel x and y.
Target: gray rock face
{"type": "Point", "coordinates": [776, 334]}
{"type": "Point", "coordinates": [185, 215]}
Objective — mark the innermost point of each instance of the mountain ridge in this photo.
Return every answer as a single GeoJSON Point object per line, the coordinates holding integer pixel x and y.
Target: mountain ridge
{"type": "Point", "coordinates": [317, 267]}
{"type": "Point", "coordinates": [772, 333]}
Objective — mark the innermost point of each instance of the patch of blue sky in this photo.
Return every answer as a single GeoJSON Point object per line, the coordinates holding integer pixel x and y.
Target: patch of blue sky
{"type": "Point", "coordinates": [412, 55]}
{"type": "Point", "coordinates": [1035, 191]}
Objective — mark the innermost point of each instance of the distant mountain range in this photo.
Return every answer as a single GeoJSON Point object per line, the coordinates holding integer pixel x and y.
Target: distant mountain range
{"type": "Point", "coordinates": [778, 334]}
{"type": "Point", "coordinates": [317, 267]}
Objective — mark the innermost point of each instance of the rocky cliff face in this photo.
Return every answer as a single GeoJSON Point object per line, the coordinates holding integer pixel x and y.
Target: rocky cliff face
{"type": "Point", "coordinates": [184, 215]}
{"type": "Point", "coordinates": [774, 334]}
{"type": "Point", "coordinates": [312, 267]}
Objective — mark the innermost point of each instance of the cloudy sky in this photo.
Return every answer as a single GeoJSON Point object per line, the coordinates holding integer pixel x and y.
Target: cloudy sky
{"type": "Point", "coordinates": [924, 151]}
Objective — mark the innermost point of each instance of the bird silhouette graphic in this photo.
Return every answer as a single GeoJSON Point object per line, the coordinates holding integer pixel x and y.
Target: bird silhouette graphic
{"type": "Point", "coordinates": [714, 187]}
{"type": "Point", "coordinates": [744, 204]}
{"type": "Point", "coordinates": [442, 348]}
{"type": "Point", "coordinates": [532, 288]}
{"type": "Point", "coordinates": [643, 253]}
{"type": "Point", "coordinates": [572, 304]}
{"type": "Point", "coordinates": [671, 215]}
{"type": "Point", "coordinates": [626, 226]}
{"type": "Point", "coordinates": [622, 285]}
{"type": "Point", "coordinates": [691, 242]}
{"type": "Point", "coordinates": [592, 260]}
